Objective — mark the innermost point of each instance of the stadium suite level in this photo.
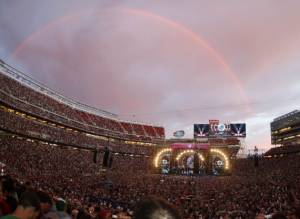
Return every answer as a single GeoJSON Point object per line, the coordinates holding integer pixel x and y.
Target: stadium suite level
{"type": "Point", "coordinates": [285, 130]}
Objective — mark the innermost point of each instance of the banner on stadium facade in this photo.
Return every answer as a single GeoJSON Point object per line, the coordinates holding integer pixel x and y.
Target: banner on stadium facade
{"type": "Point", "coordinates": [178, 134]}
{"type": "Point", "coordinates": [201, 146]}
{"type": "Point", "coordinates": [214, 121]}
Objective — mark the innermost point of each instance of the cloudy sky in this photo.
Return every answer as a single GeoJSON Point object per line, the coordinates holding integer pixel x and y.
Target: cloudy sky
{"type": "Point", "coordinates": [172, 63]}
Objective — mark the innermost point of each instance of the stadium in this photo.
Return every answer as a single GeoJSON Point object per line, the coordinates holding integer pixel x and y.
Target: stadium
{"type": "Point", "coordinates": [92, 158]}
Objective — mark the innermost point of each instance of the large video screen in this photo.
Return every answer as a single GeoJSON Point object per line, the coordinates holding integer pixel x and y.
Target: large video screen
{"type": "Point", "coordinates": [220, 130]}
{"type": "Point", "coordinates": [201, 130]}
{"type": "Point", "coordinates": [238, 130]}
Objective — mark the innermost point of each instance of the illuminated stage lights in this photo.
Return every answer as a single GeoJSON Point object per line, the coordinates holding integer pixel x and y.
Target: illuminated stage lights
{"type": "Point", "coordinates": [223, 155]}
{"type": "Point", "coordinates": [238, 134]}
{"type": "Point", "coordinates": [189, 151]}
{"type": "Point", "coordinates": [158, 155]}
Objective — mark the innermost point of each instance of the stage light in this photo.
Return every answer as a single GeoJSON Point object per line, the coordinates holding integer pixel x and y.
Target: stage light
{"type": "Point", "coordinates": [222, 155]}
{"type": "Point", "coordinates": [158, 155]}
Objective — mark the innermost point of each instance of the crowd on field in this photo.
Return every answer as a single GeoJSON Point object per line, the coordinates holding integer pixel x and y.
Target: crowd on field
{"type": "Point", "coordinates": [69, 173]}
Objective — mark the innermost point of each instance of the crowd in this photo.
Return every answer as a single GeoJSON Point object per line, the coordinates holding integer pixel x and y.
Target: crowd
{"type": "Point", "coordinates": [283, 150]}
{"type": "Point", "coordinates": [27, 99]}
{"type": "Point", "coordinates": [29, 127]}
{"type": "Point", "coordinates": [274, 186]}
{"type": "Point", "coordinates": [36, 158]}
{"type": "Point", "coordinates": [64, 172]}
{"type": "Point", "coordinates": [18, 124]}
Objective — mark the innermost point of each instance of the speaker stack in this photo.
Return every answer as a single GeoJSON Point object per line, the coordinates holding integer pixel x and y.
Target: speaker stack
{"type": "Point", "coordinates": [105, 159]}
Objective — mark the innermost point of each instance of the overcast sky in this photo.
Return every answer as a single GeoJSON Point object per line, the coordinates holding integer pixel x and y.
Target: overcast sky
{"type": "Point", "coordinates": [172, 63]}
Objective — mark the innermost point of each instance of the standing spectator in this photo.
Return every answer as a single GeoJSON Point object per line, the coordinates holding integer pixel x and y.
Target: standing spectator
{"type": "Point", "coordinates": [9, 191]}
{"type": "Point", "coordinates": [46, 203]}
{"type": "Point", "coordinates": [61, 207]}
{"type": "Point", "coordinates": [278, 215]}
{"type": "Point", "coordinates": [2, 207]}
{"type": "Point", "coordinates": [29, 207]}
{"type": "Point", "coordinates": [103, 214]}
{"type": "Point", "coordinates": [26, 187]}
{"type": "Point", "coordinates": [5, 209]}
{"type": "Point", "coordinates": [95, 213]}
{"type": "Point", "coordinates": [155, 208]}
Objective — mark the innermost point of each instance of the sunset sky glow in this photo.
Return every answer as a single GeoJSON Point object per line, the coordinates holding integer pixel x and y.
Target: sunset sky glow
{"type": "Point", "coordinates": [172, 63]}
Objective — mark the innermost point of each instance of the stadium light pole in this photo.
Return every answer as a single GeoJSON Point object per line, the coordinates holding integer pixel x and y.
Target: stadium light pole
{"type": "Point", "coordinates": [196, 176]}
{"type": "Point", "coordinates": [255, 150]}
{"type": "Point", "coordinates": [255, 156]}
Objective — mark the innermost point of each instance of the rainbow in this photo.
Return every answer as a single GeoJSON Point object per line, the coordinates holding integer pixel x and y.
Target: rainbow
{"type": "Point", "coordinates": [143, 13]}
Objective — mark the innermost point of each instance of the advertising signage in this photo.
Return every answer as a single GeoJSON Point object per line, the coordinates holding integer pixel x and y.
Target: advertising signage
{"type": "Point", "coordinates": [201, 146]}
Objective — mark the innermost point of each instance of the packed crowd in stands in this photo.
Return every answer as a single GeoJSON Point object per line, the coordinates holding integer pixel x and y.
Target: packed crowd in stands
{"type": "Point", "coordinates": [29, 100]}
{"type": "Point", "coordinates": [37, 129]}
{"type": "Point", "coordinates": [283, 150]}
{"type": "Point", "coordinates": [30, 127]}
{"type": "Point", "coordinates": [41, 158]}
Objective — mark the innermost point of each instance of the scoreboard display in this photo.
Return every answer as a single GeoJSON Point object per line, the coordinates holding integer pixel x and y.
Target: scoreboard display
{"type": "Point", "coordinates": [237, 130]}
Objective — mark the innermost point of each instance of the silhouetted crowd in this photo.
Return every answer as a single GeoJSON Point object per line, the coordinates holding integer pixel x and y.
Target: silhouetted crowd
{"type": "Point", "coordinates": [70, 174]}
